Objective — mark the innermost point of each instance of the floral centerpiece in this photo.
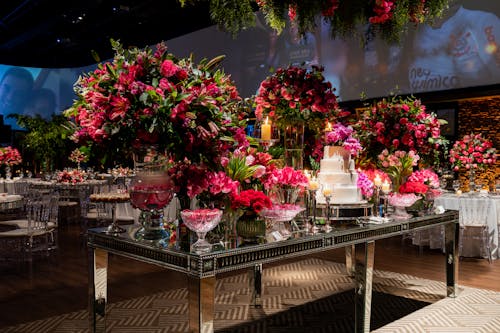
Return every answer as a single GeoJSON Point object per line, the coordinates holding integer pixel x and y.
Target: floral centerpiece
{"type": "Point", "coordinates": [77, 156]}
{"type": "Point", "coordinates": [399, 124]}
{"type": "Point", "coordinates": [341, 135]}
{"type": "Point", "coordinates": [295, 96]}
{"type": "Point", "coordinates": [70, 176]}
{"type": "Point", "coordinates": [472, 152]}
{"type": "Point", "coordinates": [249, 203]}
{"type": "Point", "coordinates": [10, 156]}
{"type": "Point", "coordinates": [296, 100]}
{"type": "Point", "coordinates": [146, 96]}
{"type": "Point", "coordinates": [398, 165]}
{"type": "Point", "coordinates": [285, 184]}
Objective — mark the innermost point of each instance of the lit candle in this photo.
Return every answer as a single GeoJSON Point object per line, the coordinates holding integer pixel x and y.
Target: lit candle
{"type": "Point", "coordinates": [386, 187]}
{"type": "Point", "coordinates": [327, 192]}
{"type": "Point", "coordinates": [377, 181]}
{"type": "Point", "coordinates": [265, 130]}
{"type": "Point", "coordinates": [328, 127]}
{"type": "Point", "coordinates": [313, 185]}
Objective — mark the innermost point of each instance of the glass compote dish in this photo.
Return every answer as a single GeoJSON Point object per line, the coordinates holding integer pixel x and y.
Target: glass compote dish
{"type": "Point", "coordinates": [279, 214]}
{"type": "Point", "coordinates": [400, 201]}
{"type": "Point", "coordinates": [150, 191]}
{"type": "Point", "coordinates": [201, 221]}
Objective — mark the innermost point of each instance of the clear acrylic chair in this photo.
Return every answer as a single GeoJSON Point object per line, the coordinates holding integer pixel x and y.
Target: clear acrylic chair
{"type": "Point", "coordinates": [474, 229]}
{"type": "Point", "coordinates": [31, 234]}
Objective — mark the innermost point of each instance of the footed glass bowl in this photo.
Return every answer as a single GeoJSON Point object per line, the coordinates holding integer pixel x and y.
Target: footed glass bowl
{"type": "Point", "coordinates": [400, 201]}
{"type": "Point", "coordinates": [201, 221]}
{"type": "Point", "coordinates": [281, 212]}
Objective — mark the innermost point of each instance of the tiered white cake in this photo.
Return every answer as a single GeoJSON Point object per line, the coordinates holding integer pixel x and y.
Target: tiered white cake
{"type": "Point", "coordinates": [337, 171]}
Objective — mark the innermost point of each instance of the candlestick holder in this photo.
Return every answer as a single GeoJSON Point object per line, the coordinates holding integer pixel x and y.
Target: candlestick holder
{"type": "Point", "coordinates": [327, 194]}
{"type": "Point", "coordinates": [376, 201]}
{"type": "Point", "coordinates": [311, 211]}
{"type": "Point", "coordinates": [328, 225]}
{"type": "Point", "coordinates": [385, 196]}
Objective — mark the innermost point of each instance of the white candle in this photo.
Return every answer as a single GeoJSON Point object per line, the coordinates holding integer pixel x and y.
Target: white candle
{"type": "Point", "coordinates": [313, 185]}
{"type": "Point", "coordinates": [377, 181]}
{"type": "Point", "coordinates": [386, 187]}
{"type": "Point", "coordinates": [265, 130]}
{"type": "Point", "coordinates": [327, 191]}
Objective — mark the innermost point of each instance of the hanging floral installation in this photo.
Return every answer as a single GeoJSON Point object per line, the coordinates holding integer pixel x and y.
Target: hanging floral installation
{"type": "Point", "coordinates": [385, 18]}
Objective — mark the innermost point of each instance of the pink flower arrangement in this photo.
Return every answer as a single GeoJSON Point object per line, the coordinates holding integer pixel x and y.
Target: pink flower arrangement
{"type": "Point", "coordinates": [10, 156]}
{"type": "Point", "coordinates": [398, 165]}
{"type": "Point", "coordinates": [472, 152]}
{"type": "Point", "coordinates": [365, 185]}
{"type": "Point", "coordinates": [78, 156]}
{"type": "Point", "coordinates": [399, 124]}
{"type": "Point", "coordinates": [251, 201]}
{"type": "Point", "coordinates": [287, 176]}
{"type": "Point", "coordinates": [295, 95]}
{"type": "Point", "coordinates": [342, 135]}
{"type": "Point", "coordinates": [221, 183]}
{"type": "Point", "coordinates": [425, 176]}
{"type": "Point", "coordinates": [70, 177]}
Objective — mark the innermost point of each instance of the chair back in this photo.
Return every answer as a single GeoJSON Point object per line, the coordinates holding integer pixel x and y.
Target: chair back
{"type": "Point", "coordinates": [473, 211]}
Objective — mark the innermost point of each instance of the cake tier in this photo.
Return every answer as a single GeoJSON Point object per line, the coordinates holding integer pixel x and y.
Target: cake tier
{"type": "Point", "coordinates": [341, 194]}
{"type": "Point", "coordinates": [338, 178]}
{"type": "Point", "coordinates": [335, 164]}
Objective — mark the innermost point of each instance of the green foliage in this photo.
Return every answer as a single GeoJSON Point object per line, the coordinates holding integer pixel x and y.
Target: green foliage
{"type": "Point", "coordinates": [47, 141]}
{"type": "Point", "coordinates": [344, 19]}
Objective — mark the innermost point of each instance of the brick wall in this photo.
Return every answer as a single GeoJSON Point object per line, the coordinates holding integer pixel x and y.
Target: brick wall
{"type": "Point", "coordinates": [481, 116]}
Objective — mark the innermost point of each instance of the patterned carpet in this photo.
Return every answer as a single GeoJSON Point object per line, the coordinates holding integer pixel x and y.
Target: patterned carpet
{"type": "Point", "coordinates": [310, 295]}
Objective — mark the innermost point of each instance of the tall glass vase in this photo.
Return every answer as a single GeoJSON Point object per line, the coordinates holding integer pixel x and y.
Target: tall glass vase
{"type": "Point", "coordinates": [8, 172]}
{"type": "Point", "coordinates": [472, 180]}
{"type": "Point", "coordinates": [294, 146]}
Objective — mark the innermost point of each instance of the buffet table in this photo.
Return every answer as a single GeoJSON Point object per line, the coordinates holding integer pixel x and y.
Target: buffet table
{"type": "Point", "coordinates": [202, 269]}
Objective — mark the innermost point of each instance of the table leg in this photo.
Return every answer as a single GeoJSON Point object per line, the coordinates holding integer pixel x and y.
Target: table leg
{"type": "Point", "coordinates": [452, 231]}
{"type": "Point", "coordinates": [98, 279]}
{"type": "Point", "coordinates": [255, 281]}
{"type": "Point", "coordinates": [363, 289]}
{"type": "Point", "coordinates": [349, 259]}
{"type": "Point", "coordinates": [201, 304]}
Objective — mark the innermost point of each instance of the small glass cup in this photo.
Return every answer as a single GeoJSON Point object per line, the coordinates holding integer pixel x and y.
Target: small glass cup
{"type": "Point", "coordinates": [456, 185]}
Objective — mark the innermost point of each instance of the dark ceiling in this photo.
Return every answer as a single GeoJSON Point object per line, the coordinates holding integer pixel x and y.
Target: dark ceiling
{"type": "Point", "coordinates": [60, 34]}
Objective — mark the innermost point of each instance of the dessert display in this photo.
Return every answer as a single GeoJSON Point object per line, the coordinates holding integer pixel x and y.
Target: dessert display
{"type": "Point", "coordinates": [116, 197]}
{"type": "Point", "coordinates": [337, 172]}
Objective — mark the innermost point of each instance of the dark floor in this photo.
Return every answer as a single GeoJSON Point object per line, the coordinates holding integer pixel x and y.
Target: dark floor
{"type": "Point", "coordinates": [58, 284]}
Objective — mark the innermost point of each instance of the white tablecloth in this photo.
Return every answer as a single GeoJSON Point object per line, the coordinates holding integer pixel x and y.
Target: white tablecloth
{"type": "Point", "coordinates": [451, 201]}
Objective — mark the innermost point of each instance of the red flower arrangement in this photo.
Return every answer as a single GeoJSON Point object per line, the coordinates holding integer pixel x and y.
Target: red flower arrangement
{"type": "Point", "coordinates": [10, 156]}
{"type": "Point", "coordinates": [78, 156]}
{"type": "Point", "coordinates": [70, 177]}
{"type": "Point", "coordinates": [151, 97]}
{"type": "Point", "coordinates": [294, 95]}
{"type": "Point", "coordinates": [250, 201]}
{"type": "Point", "coordinates": [472, 152]}
{"type": "Point", "coordinates": [399, 124]}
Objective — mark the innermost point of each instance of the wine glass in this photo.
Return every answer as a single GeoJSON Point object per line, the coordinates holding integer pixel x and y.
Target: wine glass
{"type": "Point", "coordinates": [201, 221]}
{"type": "Point", "coordinates": [456, 185]}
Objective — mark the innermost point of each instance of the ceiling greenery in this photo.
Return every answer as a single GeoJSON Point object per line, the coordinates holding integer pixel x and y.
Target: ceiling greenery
{"type": "Point", "coordinates": [387, 19]}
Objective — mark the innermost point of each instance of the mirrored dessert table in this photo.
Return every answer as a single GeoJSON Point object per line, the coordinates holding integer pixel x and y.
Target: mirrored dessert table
{"type": "Point", "coordinates": [202, 269]}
